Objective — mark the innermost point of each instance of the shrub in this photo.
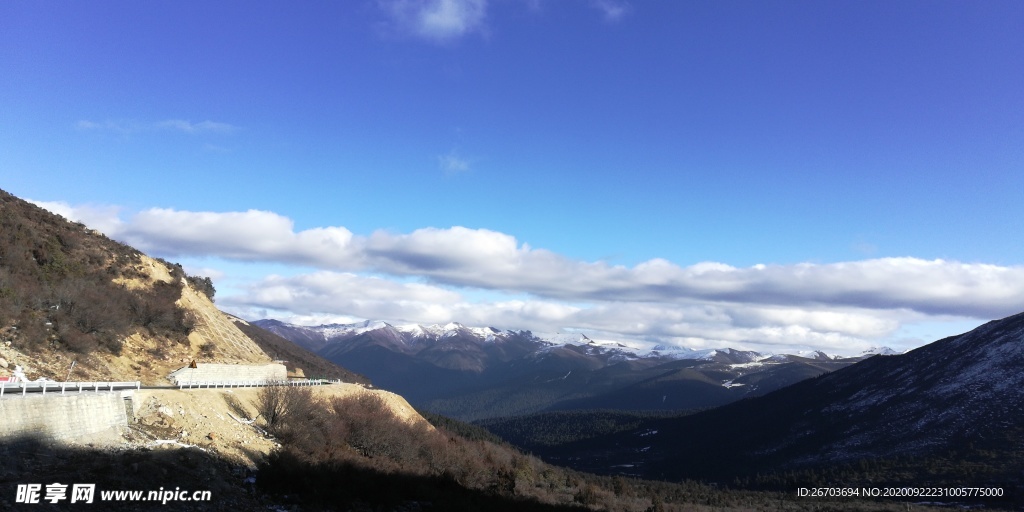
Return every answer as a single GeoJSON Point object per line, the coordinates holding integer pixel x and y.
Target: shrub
{"type": "Point", "coordinates": [207, 349]}
{"type": "Point", "coordinates": [283, 408]}
{"type": "Point", "coordinates": [203, 285]}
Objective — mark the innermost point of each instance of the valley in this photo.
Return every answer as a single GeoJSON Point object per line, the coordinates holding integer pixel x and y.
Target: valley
{"type": "Point", "coordinates": [945, 414]}
{"type": "Point", "coordinates": [512, 255]}
{"type": "Point", "coordinates": [284, 445]}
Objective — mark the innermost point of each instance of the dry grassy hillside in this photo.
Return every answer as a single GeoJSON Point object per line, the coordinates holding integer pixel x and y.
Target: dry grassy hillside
{"type": "Point", "coordinates": [143, 354]}
{"type": "Point", "coordinates": [70, 294]}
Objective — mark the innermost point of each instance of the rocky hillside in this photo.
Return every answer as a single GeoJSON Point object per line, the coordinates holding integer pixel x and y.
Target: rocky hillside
{"type": "Point", "coordinates": [70, 294]}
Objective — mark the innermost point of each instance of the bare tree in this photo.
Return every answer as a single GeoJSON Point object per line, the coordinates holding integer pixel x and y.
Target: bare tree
{"type": "Point", "coordinates": [279, 404]}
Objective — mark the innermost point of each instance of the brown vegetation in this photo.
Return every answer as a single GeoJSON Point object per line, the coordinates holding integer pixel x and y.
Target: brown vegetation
{"type": "Point", "coordinates": [68, 293]}
{"type": "Point", "coordinates": [58, 289]}
{"type": "Point", "coordinates": [351, 452]}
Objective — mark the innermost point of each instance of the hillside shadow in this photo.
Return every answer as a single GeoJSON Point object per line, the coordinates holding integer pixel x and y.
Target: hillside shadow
{"type": "Point", "coordinates": [31, 460]}
{"type": "Point", "coordinates": [365, 488]}
{"type": "Point", "coordinates": [346, 486]}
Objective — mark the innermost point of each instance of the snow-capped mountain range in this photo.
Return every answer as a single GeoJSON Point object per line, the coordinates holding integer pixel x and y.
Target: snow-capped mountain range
{"type": "Point", "coordinates": [415, 334]}
{"type": "Point", "coordinates": [476, 372]}
{"type": "Point", "coordinates": [433, 331]}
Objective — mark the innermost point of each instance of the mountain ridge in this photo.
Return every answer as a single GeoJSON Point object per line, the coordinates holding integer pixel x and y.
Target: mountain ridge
{"type": "Point", "coordinates": [480, 372]}
{"type": "Point", "coordinates": [320, 335]}
{"type": "Point", "coordinates": [955, 402]}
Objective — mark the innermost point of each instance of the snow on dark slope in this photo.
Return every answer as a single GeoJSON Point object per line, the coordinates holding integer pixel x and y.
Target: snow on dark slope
{"type": "Point", "coordinates": [961, 391]}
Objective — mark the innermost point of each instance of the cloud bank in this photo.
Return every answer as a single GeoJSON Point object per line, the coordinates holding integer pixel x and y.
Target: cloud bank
{"type": "Point", "coordinates": [422, 275]}
{"type": "Point", "coordinates": [481, 258]}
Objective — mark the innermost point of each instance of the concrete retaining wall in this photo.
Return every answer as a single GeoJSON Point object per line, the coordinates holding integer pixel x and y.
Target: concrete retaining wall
{"type": "Point", "coordinates": [229, 373]}
{"type": "Point", "coordinates": [67, 417]}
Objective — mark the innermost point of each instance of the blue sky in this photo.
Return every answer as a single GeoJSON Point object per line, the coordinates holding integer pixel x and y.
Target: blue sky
{"type": "Point", "coordinates": [750, 174]}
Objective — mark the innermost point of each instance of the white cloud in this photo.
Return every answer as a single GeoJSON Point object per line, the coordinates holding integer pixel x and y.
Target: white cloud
{"type": "Point", "coordinates": [346, 294]}
{"type": "Point", "coordinates": [444, 251]}
{"type": "Point", "coordinates": [190, 127]}
{"type": "Point", "coordinates": [447, 20]}
{"type": "Point", "coordinates": [212, 273]}
{"type": "Point", "coordinates": [252, 235]}
{"type": "Point", "coordinates": [88, 125]}
{"type": "Point", "coordinates": [105, 219]}
{"type": "Point", "coordinates": [122, 127]}
{"type": "Point", "coordinates": [453, 164]}
{"type": "Point", "coordinates": [438, 20]}
{"type": "Point", "coordinates": [125, 127]}
{"type": "Point", "coordinates": [612, 10]}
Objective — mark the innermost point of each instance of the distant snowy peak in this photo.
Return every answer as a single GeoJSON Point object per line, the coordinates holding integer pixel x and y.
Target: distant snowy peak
{"type": "Point", "coordinates": [816, 355]}
{"type": "Point", "coordinates": [333, 330]}
{"type": "Point", "coordinates": [578, 339]}
{"type": "Point", "coordinates": [674, 351]}
{"type": "Point", "coordinates": [726, 355]}
{"type": "Point", "coordinates": [487, 333]}
{"type": "Point", "coordinates": [882, 351]}
{"type": "Point", "coordinates": [564, 338]}
{"type": "Point", "coordinates": [410, 331]}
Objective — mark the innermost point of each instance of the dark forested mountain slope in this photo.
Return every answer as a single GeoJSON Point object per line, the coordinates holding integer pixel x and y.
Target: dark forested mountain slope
{"type": "Point", "coordinates": [957, 401]}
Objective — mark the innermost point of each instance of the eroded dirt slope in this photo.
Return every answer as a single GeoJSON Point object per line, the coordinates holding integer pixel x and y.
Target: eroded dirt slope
{"type": "Point", "coordinates": [217, 420]}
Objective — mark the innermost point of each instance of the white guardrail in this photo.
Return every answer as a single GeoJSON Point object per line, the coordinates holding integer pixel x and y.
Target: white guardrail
{"type": "Point", "coordinates": [22, 388]}
{"type": "Point", "coordinates": [254, 383]}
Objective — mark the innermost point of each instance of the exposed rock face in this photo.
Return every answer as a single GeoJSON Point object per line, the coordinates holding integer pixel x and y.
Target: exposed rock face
{"type": "Point", "coordinates": [217, 331]}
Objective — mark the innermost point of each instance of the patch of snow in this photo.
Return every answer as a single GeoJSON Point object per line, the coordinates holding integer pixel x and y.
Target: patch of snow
{"type": "Point", "coordinates": [563, 338]}
{"type": "Point", "coordinates": [486, 333]}
{"type": "Point", "coordinates": [882, 351]}
{"type": "Point", "coordinates": [160, 442]}
{"type": "Point", "coordinates": [413, 329]}
{"type": "Point", "coordinates": [754, 364]}
{"type": "Point", "coordinates": [333, 330]}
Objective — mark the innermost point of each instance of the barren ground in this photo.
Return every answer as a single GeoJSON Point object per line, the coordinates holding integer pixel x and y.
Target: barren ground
{"type": "Point", "coordinates": [213, 419]}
